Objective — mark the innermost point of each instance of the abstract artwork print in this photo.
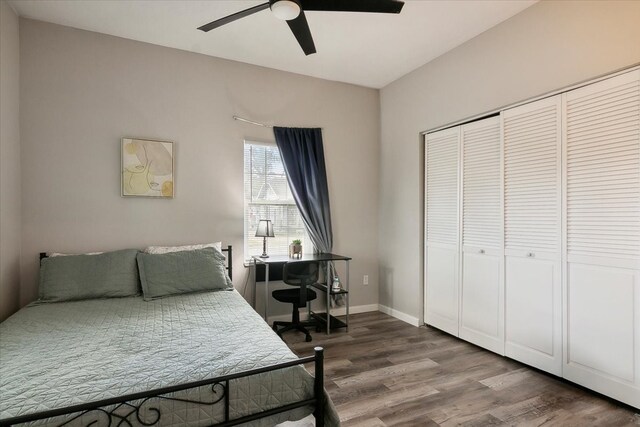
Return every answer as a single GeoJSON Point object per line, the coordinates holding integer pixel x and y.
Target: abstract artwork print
{"type": "Point", "coordinates": [147, 168]}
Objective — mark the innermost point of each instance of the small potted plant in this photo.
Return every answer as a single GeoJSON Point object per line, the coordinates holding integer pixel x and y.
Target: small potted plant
{"type": "Point", "coordinates": [295, 249]}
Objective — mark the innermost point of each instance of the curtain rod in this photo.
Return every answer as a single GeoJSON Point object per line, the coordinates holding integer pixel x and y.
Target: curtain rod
{"type": "Point", "coordinates": [242, 119]}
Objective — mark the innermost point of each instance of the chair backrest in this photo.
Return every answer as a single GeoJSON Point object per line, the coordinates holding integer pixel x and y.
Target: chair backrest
{"type": "Point", "coordinates": [300, 273]}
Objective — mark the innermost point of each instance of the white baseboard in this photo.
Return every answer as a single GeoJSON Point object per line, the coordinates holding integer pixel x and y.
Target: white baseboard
{"type": "Point", "coordinates": [414, 321]}
{"type": "Point", "coordinates": [338, 311]}
{"type": "Point", "coordinates": [341, 311]}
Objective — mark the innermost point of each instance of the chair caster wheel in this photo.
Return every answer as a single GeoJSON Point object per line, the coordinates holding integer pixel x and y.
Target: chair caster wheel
{"type": "Point", "coordinates": [308, 338]}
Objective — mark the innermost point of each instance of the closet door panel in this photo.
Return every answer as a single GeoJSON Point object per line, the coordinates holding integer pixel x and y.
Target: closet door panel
{"type": "Point", "coordinates": [602, 285]}
{"type": "Point", "coordinates": [482, 296]}
{"type": "Point", "coordinates": [442, 294]}
{"type": "Point", "coordinates": [532, 287]}
{"type": "Point", "coordinates": [441, 229]}
{"type": "Point", "coordinates": [602, 340]}
{"type": "Point", "coordinates": [532, 200]}
{"type": "Point", "coordinates": [482, 321]}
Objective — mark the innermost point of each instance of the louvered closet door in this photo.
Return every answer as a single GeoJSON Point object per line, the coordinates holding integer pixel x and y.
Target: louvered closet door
{"type": "Point", "coordinates": [441, 210]}
{"type": "Point", "coordinates": [602, 338]}
{"type": "Point", "coordinates": [532, 203]}
{"type": "Point", "coordinates": [482, 296]}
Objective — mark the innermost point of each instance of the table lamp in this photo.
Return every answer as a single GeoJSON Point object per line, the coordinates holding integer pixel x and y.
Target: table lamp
{"type": "Point", "coordinates": [265, 229]}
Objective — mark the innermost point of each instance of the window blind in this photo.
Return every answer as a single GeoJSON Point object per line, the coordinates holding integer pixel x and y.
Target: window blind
{"type": "Point", "coordinates": [267, 196]}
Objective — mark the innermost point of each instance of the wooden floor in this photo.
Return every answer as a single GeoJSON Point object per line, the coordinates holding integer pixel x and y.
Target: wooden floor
{"type": "Point", "coordinates": [384, 372]}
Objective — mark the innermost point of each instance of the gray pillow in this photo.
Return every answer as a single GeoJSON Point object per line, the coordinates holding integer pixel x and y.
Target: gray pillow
{"type": "Point", "coordinates": [182, 272]}
{"type": "Point", "coordinates": [77, 277]}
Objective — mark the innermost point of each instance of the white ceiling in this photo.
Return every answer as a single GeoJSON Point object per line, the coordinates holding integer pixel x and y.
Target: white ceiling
{"type": "Point", "coordinates": [360, 48]}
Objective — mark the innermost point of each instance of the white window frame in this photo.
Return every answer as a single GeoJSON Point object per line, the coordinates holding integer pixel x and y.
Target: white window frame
{"type": "Point", "coordinates": [280, 229]}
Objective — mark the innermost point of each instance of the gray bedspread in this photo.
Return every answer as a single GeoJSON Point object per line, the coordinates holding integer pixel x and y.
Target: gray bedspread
{"type": "Point", "coordinates": [61, 354]}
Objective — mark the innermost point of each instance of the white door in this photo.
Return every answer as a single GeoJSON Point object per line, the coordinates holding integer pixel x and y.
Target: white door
{"type": "Point", "coordinates": [602, 284]}
{"type": "Point", "coordinates": [533, 238]}
{"type": "Point", "coordinates": [441, 228]}
{"type": "Point", "coordinates": [482, 287]}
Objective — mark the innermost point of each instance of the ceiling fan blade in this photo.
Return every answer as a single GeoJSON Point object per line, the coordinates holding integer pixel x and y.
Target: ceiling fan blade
{"type": "Point", "coordinates": [377, 6]}
{"type": "Point", "coordinates": [300, 29]}
{"type": "Point", "coordinates": [220, 22]}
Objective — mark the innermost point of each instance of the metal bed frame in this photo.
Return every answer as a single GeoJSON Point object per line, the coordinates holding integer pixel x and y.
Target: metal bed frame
{"type": "Point", "coordinates": [128, 409]}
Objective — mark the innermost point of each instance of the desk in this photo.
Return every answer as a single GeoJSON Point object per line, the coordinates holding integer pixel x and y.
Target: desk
{"type": "Point", "coordinates": [325, 257]}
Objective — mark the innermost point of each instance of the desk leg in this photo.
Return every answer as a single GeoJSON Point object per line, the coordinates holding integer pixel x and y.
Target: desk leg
{"type": "Point", "coordinates": [266, 292]}
{"type": "Point", "coordinates": [255, 284]}
{"type": "Point", "coordinates": [329, 282]}
{"type": "Point", "coordinates": [347, 295]}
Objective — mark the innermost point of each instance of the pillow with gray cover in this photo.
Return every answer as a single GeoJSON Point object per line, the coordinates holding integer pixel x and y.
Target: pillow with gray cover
{"type": "Point", "coordinates": [77, 277]}
{"type": "Point", "coordinates": [167, 249]}
{"type": "Point", "coordinates": [182, 272]}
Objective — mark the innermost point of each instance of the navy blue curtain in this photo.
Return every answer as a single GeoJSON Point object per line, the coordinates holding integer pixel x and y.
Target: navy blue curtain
{"type": "Point", "coordinates": [303, 159]}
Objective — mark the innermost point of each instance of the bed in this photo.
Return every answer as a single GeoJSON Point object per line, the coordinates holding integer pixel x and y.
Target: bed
{"type": "Point", "coordinates": [195, 359]}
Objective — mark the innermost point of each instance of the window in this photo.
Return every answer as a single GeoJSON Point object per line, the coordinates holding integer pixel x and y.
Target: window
{"type": "Point", "coordinates": [267, 196]}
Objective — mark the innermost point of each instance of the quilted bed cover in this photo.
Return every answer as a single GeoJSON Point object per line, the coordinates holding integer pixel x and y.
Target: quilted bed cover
{"type": "Point", "coordinates": [62, 354]}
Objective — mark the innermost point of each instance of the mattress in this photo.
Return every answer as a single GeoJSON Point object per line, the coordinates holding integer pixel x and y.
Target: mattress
{"type": "Point", "coordinates": [62, 354]}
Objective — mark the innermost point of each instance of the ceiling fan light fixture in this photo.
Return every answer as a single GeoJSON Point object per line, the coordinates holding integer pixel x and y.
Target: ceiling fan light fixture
{"type": "Point", "coordinates": [285, 9]}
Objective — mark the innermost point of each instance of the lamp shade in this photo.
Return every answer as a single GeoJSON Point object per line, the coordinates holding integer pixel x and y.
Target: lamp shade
{"type": "Point", "coordinates": [265, 228]}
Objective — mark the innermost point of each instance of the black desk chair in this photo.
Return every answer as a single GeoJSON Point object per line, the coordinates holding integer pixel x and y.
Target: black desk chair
{"type": "Point", "coordinates": [302, 275]}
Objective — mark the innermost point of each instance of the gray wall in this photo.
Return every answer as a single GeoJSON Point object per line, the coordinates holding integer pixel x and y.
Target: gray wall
{"type": "Point", "coordinates": [10, 202]}
{"type": "Point", "coordinates": [546, 47]}
{"type": "Point", "coordinates": [83, 91]}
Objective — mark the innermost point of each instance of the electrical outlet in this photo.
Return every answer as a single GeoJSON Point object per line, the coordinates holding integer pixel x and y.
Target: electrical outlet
{"type": "Point", "coordinates": [365, 280]}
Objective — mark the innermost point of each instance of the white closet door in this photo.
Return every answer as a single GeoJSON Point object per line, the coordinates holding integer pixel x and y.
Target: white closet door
{"type": "Point", "coordinates": [532, 203]}
{"type": "Point", "coordinates": [602, 291]}
{"type": "Point", "coordinates": [442, 225]}
{"type": "Point", "coordinates": [482, 289]}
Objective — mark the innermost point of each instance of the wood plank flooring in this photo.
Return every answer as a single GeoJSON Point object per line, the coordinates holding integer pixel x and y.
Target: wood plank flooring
{"type": "Point", "coordinates": [384, 372]}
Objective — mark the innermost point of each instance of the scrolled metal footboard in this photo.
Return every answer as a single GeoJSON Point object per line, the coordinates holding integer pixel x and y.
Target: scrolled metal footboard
{"type": "Point", "coordinates": [127, 410]}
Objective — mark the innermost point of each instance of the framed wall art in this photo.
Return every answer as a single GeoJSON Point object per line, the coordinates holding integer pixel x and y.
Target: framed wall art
{"type": "Point", "coordinates": [147, 168]}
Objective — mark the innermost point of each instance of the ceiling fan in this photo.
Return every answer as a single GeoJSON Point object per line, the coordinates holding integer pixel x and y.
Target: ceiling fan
{"type": "Point", "coordinates": [292, 11]}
